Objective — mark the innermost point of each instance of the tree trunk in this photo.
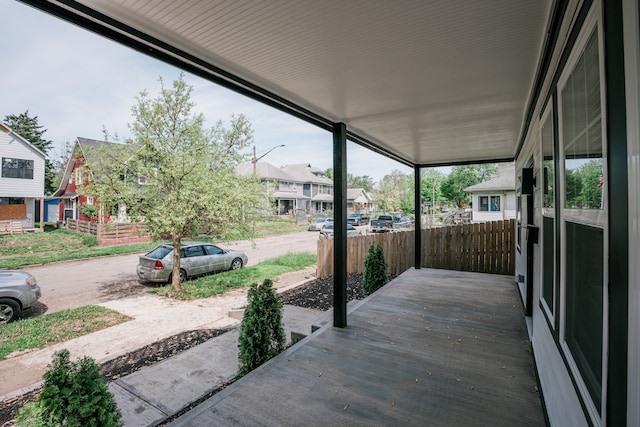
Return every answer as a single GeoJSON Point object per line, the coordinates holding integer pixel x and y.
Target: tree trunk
{"type": "Point", "coordinates": [175, 276]}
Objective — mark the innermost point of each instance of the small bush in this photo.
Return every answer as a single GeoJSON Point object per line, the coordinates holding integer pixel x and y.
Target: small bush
{"type": "Point", "coordinates": [261, 331]}
{"type": "Point", "coordinates": [375, 270]}
{"type": "Point", "coordinates": [74, 394]}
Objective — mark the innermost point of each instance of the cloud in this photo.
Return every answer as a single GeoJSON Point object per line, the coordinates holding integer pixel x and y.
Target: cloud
{"type": "Point", "coordinates": [78, 83]}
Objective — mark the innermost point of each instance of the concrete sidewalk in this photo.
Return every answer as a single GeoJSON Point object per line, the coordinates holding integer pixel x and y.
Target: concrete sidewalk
{"type": "Point", "coordinates": [153, 318]}
{"type": "Point", "coordinates": [151, 395]}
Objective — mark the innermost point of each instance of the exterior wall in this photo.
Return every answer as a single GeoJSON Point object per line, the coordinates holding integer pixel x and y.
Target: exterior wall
{"type": "Point", "coordinates": [631, 14]}
{"type": "Point", "coordinates": [561, 369]}
{"type": "Point", "coordinates": [17, 187]}
{"type": "Point", "coordinates": [507, 207]}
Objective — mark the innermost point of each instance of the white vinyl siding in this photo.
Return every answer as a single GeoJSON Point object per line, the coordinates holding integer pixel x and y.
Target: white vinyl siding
{"type": "Point", "coordinates": [12, 147]}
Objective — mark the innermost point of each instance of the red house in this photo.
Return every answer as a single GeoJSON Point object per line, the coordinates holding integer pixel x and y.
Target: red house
{"type": "Point", "coordinates": [75, 176]}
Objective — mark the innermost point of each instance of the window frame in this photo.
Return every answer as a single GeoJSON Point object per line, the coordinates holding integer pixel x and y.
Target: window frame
{"type": "Point", "coordinates": [549, 307]}
{"type": "Point", "coordinates": [22, 168]}
{"type": "Point", "coordinates": [592, 23]}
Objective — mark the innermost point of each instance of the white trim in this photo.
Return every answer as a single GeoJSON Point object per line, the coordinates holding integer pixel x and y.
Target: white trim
{"type": "Point", "coordinates": [592, 21]}
{"type": "Point", "coordinates": [547, 120]}
{"type": "Point", "coordinates": [631, 34]}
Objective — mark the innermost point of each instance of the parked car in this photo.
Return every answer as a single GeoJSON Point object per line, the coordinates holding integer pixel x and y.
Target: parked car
{"type": "Point", "coordinates": [196, 259]}
{"type": "Point", "coordinates": [358, 219]}
{"type": "Point", "coordinates": [19, 290]}
{"type": "Point", "coordinates": [404, 223]}
{"type": "Point", "coordinates": [383, 224]}
{"type": "Point", "coordinates": [328, 231]}
{"type": "Point", "coordinates": [319, 223]}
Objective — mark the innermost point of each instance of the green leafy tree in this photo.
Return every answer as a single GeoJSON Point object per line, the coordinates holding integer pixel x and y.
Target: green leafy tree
{"type": "Point", "coordinates": [29, 128]}
{"type": "Point", "coordinates": [461, 177]}
{"type": "Point", "coordinates": [354, 181]}
{"type": "Point", "coordinates": [375, 270]}
{"type": "Point", "coordinates": [396, 193]}
{"type": "Point", "coordinates": [261, 331]}
{"type": "Point", "coordinates": [432, 178]}
{"type": "Point", "coordinates": [175, 173]}
{"type": "Point", "coordinates": [74, 395]}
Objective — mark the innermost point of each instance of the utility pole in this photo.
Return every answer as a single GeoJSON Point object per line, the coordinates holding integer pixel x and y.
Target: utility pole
{"type": "Point", "coordinates": [255, 159]}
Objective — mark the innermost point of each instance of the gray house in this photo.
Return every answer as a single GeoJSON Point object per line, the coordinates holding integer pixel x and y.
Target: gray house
{"type": "Point", "coordinates": [299, 188]}
{"type": "Point", "coordinates": [552, 85]}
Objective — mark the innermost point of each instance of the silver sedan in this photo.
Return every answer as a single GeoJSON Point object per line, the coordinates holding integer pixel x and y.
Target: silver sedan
{"type": "Point", "coordinates": [328, 231]}
{"type": "Point", "coordinates": [196, 259]}
{"type": "Point", "coordinates": [18, 291]}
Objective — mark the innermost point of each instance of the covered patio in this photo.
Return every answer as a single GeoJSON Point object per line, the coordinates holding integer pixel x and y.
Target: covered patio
{"type": "Point", "coordinates": [432, 347]}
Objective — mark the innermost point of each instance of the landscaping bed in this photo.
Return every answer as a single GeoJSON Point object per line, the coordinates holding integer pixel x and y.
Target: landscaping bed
{"type": "Point", "coordinates": [317, 294]}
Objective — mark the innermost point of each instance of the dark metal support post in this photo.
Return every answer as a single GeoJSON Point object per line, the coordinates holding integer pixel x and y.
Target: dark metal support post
{"type": "Point", "coordinates": [418, 209]}
{"type": "Point", "coordinates": [340, 225]}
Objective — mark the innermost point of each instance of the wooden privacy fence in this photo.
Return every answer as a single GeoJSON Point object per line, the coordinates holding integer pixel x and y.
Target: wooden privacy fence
{"type": "Point", "coordinates": [112, 233]}
{"type": "Point", "coordinates": [397, 246]}
{"type": "Point", "coordinates": [485, 247]}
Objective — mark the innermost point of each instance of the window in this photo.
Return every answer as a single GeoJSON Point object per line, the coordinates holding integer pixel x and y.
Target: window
{"type": "Point", "coordinates": [78, 176]}
{"type": "Point", "coordinates": [489, 203]}
{"type": "Point", "coordinates": [213, 250]}
{"type": "Point", "coordinates": [584, 217]}
{"type": "Point", "coordinates": [17, 168]}
{"type": "Point", "coordinates": [191, 251]}
{"type": "Point", "coordinates": [90, 200]}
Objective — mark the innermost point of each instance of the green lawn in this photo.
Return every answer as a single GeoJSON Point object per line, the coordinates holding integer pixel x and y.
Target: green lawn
{"type": "Point", "coordinates": [54, 328]}
{"type": "Point", "coordinates": [216, 284]}
{"type": "Point", "coordinates": [55, 245]}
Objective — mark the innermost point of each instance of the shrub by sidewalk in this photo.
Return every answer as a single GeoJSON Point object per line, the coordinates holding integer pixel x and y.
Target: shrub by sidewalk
{"type": "Point", "coordinates": [261, 331]}
{"type": "Point", "coordinates": [74, 395]}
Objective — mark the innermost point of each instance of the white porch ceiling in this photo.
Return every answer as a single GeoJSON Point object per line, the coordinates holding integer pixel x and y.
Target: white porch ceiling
{"type": "Point", "coordinates": [429, 81]}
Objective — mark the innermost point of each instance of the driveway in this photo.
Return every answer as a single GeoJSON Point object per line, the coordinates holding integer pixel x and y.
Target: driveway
{"type": "Point", "coordinates": [92, 281]}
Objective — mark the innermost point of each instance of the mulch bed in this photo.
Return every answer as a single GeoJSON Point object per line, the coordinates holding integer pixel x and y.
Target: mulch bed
{"type": "Point", "coordinates": [317, 294]}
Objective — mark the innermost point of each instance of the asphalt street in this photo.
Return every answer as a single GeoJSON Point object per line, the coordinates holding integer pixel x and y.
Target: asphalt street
{"type": "Point", "coordinates": [92, 281]}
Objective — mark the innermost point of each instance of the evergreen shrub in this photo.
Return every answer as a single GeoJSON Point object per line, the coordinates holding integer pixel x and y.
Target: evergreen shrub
{"type": "Point", "coordinates": [261, 332]}
{"type": "Point", "coordinates": [375, 270]}
{"type": "Point", "coordinates": [74, 394]}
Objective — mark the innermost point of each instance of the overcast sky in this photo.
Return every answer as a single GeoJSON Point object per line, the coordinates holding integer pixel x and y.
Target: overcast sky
{"type": "Point", "coordinates": [78, 83]}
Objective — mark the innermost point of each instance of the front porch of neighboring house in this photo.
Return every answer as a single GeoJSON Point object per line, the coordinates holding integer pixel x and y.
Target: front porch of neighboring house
{"type": "Point", "coordinates": [432, 347]}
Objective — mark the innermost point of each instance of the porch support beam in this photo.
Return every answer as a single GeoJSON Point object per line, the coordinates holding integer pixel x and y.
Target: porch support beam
{"type": "Point", "coordinates": [340, 225]}
{"type": "Point", "coordinates": [418, 215]}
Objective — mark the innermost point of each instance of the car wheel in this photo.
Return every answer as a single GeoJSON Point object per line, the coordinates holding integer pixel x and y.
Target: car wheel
{"type": "Point", "coordinates": [9, 310]}
{"type": "Point", "coordinates": [183, 276]}
{"type": "Point", "coordinates": [236, 264]}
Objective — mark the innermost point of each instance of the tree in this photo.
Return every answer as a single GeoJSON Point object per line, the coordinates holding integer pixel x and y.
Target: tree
{"type": "Point", "coordinates": [396, 192]}
{"type": "Point", "coordinates": [29, 128]}
{"type": "Point", "coordinates": [432, 178]}
{"type": "Point", "coordinates": [364, 181]}
{"type": "Point", "coordinates": [461, 177]}
{"type": "Point", "coordinates": [177, 174]}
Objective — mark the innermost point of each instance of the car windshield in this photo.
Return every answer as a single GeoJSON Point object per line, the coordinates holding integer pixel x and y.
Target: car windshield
{"type": "Point", "coordinates": [320, 220]}
{"type": "Point", "coordinates": [159, 252]}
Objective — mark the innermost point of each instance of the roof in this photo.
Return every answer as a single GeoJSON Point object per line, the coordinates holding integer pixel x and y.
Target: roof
{"type": "Point", "coordinates": [427, 83]}
{"type": "Point", "coordinates": [304, 172]}
{"type": "Point", "coordinates": [300, 173]}
{"type": "Point", "coordinates": [505, 179]}
{"type": "Point", "coordinates": [5, 128]}
{"type": "Point", "coordinates": [358, 195]}
{"type": "Point", "coordinates": [85, 147]}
